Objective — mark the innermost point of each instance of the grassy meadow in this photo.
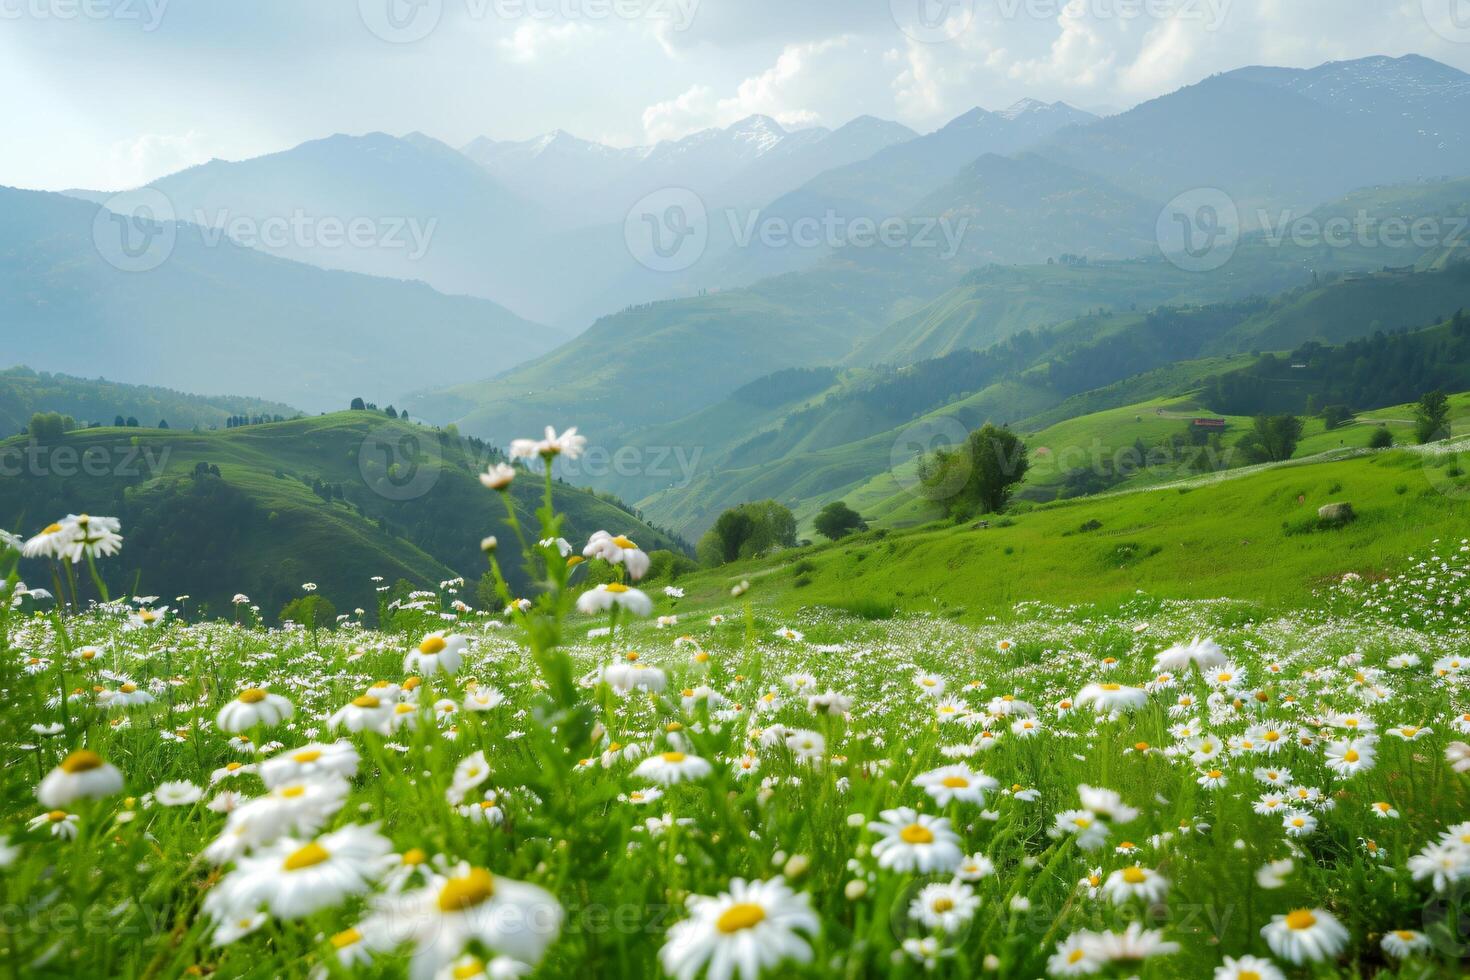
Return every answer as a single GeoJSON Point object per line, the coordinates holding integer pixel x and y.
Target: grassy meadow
{"type": "Point", "coordinates": [1216, 747]}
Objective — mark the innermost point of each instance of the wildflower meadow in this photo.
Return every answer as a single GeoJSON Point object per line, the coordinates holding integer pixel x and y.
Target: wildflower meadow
{"type": "Point", "coordinates": [599, 780]}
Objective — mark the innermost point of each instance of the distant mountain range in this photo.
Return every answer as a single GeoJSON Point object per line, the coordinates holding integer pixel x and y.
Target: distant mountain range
{"type": "Point", "coordinates": [217, 317]}
{"type": "Point", "coordinates": [1284, 137]}
{"type": "Point", "coordinates": [746, 164]}
{"type": "Point", "coordinates": [538, 226]}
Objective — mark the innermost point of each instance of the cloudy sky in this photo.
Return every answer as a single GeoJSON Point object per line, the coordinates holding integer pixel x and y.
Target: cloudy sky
{"type": "Point", "coordinates": [112, 93]}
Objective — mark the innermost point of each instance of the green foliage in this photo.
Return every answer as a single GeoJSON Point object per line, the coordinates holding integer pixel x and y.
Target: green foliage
{"type": "Point", "coordinates": [312, 611]}
{"type": "Point", "coordinates": [837, 520]}
{"type": "Point", "coordinates": [1336, 415]}
{"type": "Point", "coordinates": [748, 530]}
{"type": "Point", "coordinates": [979, 476]}
{"type": "Point", "coordinates": [211, 514]}
{"type": "Point", "coordinates": [665, 564]}
{"type": "Point", "coordinates": [1273, 438]}
{"type": "Point", "coordinates": [48, 426]}
{"type": "Point", "coordinates": [1432, 417]}
{"type": "Point", "coordinates": [24, 392]}
{"type": "Point", "coordinates": [1381, 438]}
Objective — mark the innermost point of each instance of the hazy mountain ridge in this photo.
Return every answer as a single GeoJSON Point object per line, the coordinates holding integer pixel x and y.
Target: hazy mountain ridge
{"type": "Point", "coordinates": [218, 316]}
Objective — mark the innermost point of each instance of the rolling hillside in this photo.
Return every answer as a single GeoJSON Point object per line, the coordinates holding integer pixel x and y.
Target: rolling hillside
{"type": "Point", "coordinates": [845, 441]}
{"type": "Point", "coordinates": [406, 503]}
{"type": "Point", "coordinates": [1252, 535]}
{"type": "Point", "coordinates": [24, 392]}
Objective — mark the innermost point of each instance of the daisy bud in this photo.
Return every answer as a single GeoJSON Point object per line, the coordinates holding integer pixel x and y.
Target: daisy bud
{"type": "Point", "coordinates": [796, 866]}
{"type": "Point", "coordinates": [855, 889]}
{"type": "Point", "coordinates": [488, 545]}
{"type": "Point", "coordinates": [992, 962]}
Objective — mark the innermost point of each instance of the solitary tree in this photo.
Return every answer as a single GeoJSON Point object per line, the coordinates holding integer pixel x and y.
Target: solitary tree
{"type": "Point", "coordinates": [46, 426]}
{"type": "Point", "coordinates": [1273, 439]}
{"type": "Point", "coordinates": [746, 530]}
{"type": "Point", "coordinates": [358, 405]}
{"type": "Point", "coordinates": [979, 476]}
{"type": "Point", "coordinates": [1432, 417]}
{"type": "Point", "coordinates": [837, 520]}
{"type": "Point", "coordinates": [1336, 415]}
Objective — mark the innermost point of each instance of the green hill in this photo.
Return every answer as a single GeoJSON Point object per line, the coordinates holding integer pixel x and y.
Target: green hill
{"type": "Point", "coordinates": [994, 303]}
{"type": "Point", "coordinates": [826, 447]}
{"type": "Point", "coordinates": [24, 392]}
{"type": "Point", "coordinates": [1252, 534]}
{"type": "Point", "coordinates": [334, 500]}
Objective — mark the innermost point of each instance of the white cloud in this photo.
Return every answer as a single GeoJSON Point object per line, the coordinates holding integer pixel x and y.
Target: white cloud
{"type": "Point", "coordinates": [134, 162]}
{"type": "Point", "coordinates": [533, 39]}
{"type": "Point", "coordinates": [1169, 59]}
{"type": "Point", "coordinates": [780, 92]}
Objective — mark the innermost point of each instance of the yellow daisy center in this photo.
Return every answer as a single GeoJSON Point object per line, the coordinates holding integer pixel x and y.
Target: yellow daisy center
{"type": "Point", "coordinates": [306, 857]}
{"type": "Point", "coordinates": [742, 915]}
{"type": "Point", "coordinates": [459, 894]}
{"type": "Point", "coordinates": [252, 695]}
{"type": "Point", "coordinates": [432, 645]}
{"type": "Point", "coordinates": [916, 833]}
{"type": "Point", "coordinates": [82, 760]}
{"type": "Point", "coordinates": [1300, 919]}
